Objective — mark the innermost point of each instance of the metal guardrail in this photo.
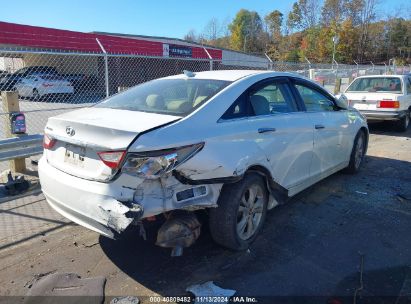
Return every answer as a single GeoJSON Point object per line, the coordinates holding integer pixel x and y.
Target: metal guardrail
{"type": "Point", "coordinates": [21, 147]}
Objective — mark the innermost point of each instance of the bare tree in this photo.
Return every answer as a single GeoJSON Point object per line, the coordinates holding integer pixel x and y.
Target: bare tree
{"type": "Point", "coordinates": [367, 15]}
{"type": "Point", "coordinates": [191, 36]}
{"type": "Point", "coordinates": [333, 10]}
{"type": "Point", "coordinates": [212, 30]}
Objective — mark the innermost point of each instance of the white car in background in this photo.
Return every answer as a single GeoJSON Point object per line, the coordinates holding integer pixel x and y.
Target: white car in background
{"type": "Point", "coordinates": [39, 85]}
{"type": "Point", "coordinates": [382, 98]}
{"type": "Point", "coordinates": [234, 143]}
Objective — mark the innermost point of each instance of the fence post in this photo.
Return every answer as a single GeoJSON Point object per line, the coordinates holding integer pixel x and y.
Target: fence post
{"type": "Point", "coordinates": [270, 62]}
{"type": "Point", "coordinates": [311, 73]}
{"type": "Point", "coordinates": [105, 67]}
{"type": "Point", "coordinates": [337, 87]}
{"type": "Point", "coordinates": [10, 102]}
{"type": "Point", "coordinates": [209, 57]}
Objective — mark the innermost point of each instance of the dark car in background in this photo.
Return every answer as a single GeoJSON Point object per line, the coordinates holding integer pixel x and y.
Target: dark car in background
{"type": "Point", "coordinates": [9, 81]}
{"type": "Point", "coordinates": [83, 82]}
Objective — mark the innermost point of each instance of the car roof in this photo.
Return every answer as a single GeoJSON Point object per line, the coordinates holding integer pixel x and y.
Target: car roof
{"type": "Point", "coordinates": [230, 75]}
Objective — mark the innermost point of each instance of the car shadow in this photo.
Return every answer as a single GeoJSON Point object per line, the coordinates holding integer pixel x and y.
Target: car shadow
{"type": "Point", "coordinates": [308, 247]}
{"type": "Point", "coordinates": [387, 128]}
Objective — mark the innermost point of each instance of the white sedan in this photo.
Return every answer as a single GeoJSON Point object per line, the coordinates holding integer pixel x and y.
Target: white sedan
{"type": "Point", "coordinates": [235, 143]}
{"type": "Point", "coordinates": [37, 86]}
{"type": "Point", "coordinates": [382, 98]}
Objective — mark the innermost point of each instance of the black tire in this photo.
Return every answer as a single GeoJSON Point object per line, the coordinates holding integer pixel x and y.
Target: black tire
{"type": "Point", "coordinates": [355, 163]}
{"type": "Point", "coordinates": [402, 124]}
{"type": "Point", "coordinates": [223, 220]}
{"type": "Point", "coordinates": [36, 95]}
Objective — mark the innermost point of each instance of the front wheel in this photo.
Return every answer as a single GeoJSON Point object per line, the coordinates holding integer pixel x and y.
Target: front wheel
{"type": "Point", "coordinates": [357, 153]}
{"type": "Point", "coordinates": [240, 214]}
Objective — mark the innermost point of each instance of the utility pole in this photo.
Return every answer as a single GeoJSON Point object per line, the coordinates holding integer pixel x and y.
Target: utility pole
{"type": "Point", "coordinates": [335, 41]}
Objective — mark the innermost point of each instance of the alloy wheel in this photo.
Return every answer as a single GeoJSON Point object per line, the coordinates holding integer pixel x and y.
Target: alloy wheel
{"type": "Point", "coordinates": [250, 211]}
{"type": "Point", "coordinates": [359, 151]}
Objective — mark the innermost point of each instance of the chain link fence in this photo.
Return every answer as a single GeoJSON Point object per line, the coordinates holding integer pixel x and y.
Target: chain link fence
{"type": "Point", "coordinates": [51, 83]}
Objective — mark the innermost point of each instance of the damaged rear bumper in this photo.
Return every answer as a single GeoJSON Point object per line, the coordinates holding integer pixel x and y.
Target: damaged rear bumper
{"type": "Point", "coordinates": [109, 208]}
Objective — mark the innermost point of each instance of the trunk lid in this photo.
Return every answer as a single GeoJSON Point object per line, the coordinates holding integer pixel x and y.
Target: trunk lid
{"type": "Point", "coordinates": [81, 134]}
{"type": "Point", "coordinates": [364, 101]}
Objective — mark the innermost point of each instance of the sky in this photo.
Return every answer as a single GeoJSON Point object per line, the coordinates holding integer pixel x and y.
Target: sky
{"type": "Point", "coordinates": [150, 17]}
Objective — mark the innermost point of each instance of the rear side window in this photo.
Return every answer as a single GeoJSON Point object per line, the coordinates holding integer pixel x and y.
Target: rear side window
{"type": "Point", "coordinates": [238, 109]}
{"type": "Point", "coordinates": [376, 84]}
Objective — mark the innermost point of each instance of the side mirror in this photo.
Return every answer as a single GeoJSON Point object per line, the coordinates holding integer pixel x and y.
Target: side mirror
{"type": "Point", "coordinates": [342, 101]}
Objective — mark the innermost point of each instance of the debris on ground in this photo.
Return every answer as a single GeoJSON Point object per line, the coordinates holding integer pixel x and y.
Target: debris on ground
{"type": "Point", "coordinates": [125, 300]}
{"type": "Point", "coordinates": [70, 285]}
{"type": "Point", "coordinates": [17, 185]}
{"type": "Point", "coordinates": [37, 277]}
{"type": "Point", "coordinates": [209, 289]}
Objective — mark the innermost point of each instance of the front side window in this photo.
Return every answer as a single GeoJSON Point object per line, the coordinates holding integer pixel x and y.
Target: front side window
{"type": "Point", "coordinates": [376, 84]}
{"type": "Point", "coordinates": [267, 98]}
{"type": "Point", "coordinates": [314, 100]}
{"type": "Point", "coordinates": [166, 96]}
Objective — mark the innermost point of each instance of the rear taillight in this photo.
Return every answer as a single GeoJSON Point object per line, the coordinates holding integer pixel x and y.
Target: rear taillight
{"type": "Point", "coordinates": [388, 104]}
{"type": "Point", "coordinates": [48, 142]}
{"type": "Point", "coordinates": [112, 159]}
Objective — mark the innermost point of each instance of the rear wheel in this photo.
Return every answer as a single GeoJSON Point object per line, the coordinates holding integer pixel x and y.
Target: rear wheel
{"type": "Point", "coordinates": [357, 153]}
{"type": "Point", "coordinates": [240, 214]}
{"type": "Point", "coordinates": [403, 123]}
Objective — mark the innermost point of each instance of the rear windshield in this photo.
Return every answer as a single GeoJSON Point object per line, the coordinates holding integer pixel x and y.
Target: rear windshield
{"type": "Point", "coordinates": [376, 84]}
{"type": "Point", "coordinates": [166, 96]}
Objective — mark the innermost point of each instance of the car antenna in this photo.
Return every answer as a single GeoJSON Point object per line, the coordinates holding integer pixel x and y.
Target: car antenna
{"type": "Point", "coordinates": [189, 73]}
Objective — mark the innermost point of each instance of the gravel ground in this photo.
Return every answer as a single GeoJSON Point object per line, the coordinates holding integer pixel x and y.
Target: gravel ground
{"type": "Point", "coordinates": [313, 246]}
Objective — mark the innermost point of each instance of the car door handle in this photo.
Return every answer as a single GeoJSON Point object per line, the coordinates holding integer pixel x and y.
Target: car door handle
{"type": "Point", "coordinates": [265, 130]}
{"type": "Point", "coordinates": [319, 127]}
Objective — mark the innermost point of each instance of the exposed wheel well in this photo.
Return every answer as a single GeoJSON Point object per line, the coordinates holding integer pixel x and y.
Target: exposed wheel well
{"type": "Point", "coordinates": [275, 189]}
{"type": "Point", "coordinates": [367, 135]}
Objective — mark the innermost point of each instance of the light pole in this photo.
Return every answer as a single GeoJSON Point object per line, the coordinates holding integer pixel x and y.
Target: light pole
{"type": "Point", "coordinates": [335, 41]}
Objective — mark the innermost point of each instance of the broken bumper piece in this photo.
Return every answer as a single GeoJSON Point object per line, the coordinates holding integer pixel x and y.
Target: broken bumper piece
{"type": "Point", "coordinates": [88, 203]}
{"type": "Point", "coordinates": [109, 224]}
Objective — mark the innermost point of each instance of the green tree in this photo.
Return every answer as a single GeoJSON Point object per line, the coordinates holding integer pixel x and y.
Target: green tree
{"type": "Point", "coordinates": [274, 21]}
{"type": "Point", "coordinates": [345, 52]}
{"type": "Point", "coordinates": [246, 32]}
{"type": "Point", "coordinates": [304, 14]}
